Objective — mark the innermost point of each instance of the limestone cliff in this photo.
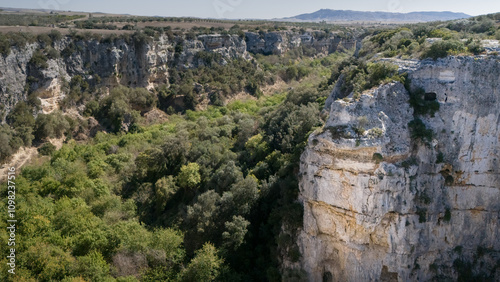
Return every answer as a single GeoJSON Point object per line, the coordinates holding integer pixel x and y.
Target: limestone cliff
{"type": "Point", "coordinates": [136, 62]}
{"type": "Point", "coordinates": [108, 62]}
{"type": "Point", "coordinates": [278, 43]}
{"type": "Point", "coordinates": [380, 205]}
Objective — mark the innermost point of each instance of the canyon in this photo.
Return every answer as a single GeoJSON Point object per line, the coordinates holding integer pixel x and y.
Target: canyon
{"type": "Point", "coordinates": [139, 63]}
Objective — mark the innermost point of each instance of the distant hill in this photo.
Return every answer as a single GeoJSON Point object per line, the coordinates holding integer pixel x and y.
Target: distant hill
{"type": "Point", "coordinates": [358, 16]}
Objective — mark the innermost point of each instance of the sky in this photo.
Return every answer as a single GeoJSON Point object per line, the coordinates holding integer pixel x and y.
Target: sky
{"type": "Point", "coordinates": [253, 9]}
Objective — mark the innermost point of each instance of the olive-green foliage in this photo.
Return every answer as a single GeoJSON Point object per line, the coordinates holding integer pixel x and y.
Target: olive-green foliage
{"type": "Point", "coordinates": [189, 176]}
{"type": "Point", "coordinates": [19, 131]}
{"type": "Point", "coordinates": [377, 157]}
{"type": "Point", "coordinates": [15, 39]}
{"type": "Point", "coordinates": [90, 24]}
{"type": "Point", "coordinates": [444, 48]}
{"type": "Point", "coordinates": [222, 80]}
{"type": "Point", "coordinates": [422, 214]}
{"type": "Point", "coordinates": [47, 149]}
{"type": "Point", "coordinates": [295, 73]}
{"type": "Point", "coordinates": [92, 267]}
{"type": "Point", "coordinates": [21, 115]}
{"type": "Point", "coordinates": [410, 40]}
{"type": "Point", "coordinates": [44, 39]}
{"type": "Point", "coordinates": [290, 123]}
{"type": "Point", "coordinates": [205, 266]}
{"type": "Point", "coordinates": [22, 121]}
{"type": "Point", "coordinates": [475, 47]}
{"type": "Point", "coordinates": [10, 142]}
{"type": "Point", "coordinates": [447, 215]}
{"type": "Point", "coordinates": [39, 60]}
{"type": "Point", "coordinates": [360, 76]}
{"type": "Point", "coordinates": [419, 131]}
{"type": "Point", "coordinates": [203, 196]}
{"type": "Point", "coordinates": [440, 158]}
{"type": "Point", "coordinates": [211, 216]}
{"type": "Point", "coordinates": [124, 105]}
{"type": "Point", "coordinates": [79, 89]}
{"type": "Point", "coordinates": [92, 195]}
{"type": "Point", "coordinates": [4, 45]}
{"type": "Point", "coordinates": [53, 125]}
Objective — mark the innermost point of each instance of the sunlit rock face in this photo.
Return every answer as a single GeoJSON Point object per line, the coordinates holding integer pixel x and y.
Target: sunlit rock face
{"type": "Point", "coordinates": [139, 62]}
{"type": "Point", "coordinates": [380, 205]}
{"type": "Point", "coordinates": [107, 63]}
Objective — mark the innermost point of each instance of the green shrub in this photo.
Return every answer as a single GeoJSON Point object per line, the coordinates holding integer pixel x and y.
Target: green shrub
{"type": "Point", "coordinates": [52, 53]}
{"type": "Point", "coordinates": [475, 47]}
{"type": "Point", "coordinates": [441, 49]}
{"type": "Point", "coordinates": [53, 125]}
{"type": "Point", "coordinates": [377, 157]}
{"type": "Point", "coordinates": [47, 149]}
{"type": "Point", "coordinates": [447, 215]}
{"type": "Point", "coordinates": [422, 215]}
{"type": "Point", "coordinates": [4, 45]}
{"type": "Point", "coordinates": [39, 60]}
{"type": "Point", "coordinates": [449, 180]}
{"type": "Point", "coordinates": [440, 158]}
{"type": "Point", "coordinates": [55, 35]}
{"type": "Point", "coordinates": [419, 131]}
{"type": "Point", "coordinates": [44, 39]}
{"type": "Point", "coordinates": [409, 162]}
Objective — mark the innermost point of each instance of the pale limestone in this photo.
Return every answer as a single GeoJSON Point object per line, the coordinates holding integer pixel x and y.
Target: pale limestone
{"type": "Point", "coordinates": [361, 218]}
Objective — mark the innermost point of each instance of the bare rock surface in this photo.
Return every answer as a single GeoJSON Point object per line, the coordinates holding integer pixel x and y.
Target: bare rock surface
{"type": "Point", "coordinates": [382, 206]}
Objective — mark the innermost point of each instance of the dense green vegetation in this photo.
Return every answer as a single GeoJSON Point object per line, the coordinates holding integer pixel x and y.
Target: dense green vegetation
{"type": "Point", "coordinates": [209, 188]}
{"type": "Point", "coordinates": [210, 194]}
{"type": "Point", "coordinates": [448, 38]}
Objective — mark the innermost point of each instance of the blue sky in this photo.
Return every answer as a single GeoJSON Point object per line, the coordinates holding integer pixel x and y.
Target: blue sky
{"type": "Point", "coordinates": [263, 9]}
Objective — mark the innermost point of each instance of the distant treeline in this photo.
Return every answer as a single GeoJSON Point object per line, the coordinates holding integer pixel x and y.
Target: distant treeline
{"type": "Point", "coordinates": [35, 20]}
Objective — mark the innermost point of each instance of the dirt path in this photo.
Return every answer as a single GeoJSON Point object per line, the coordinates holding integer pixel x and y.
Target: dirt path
{"type": "Point", "coordinates": [19, 159]}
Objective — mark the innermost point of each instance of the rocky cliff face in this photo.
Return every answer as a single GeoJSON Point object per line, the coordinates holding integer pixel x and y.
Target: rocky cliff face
{"type": "Point", "coordinates": [134, 63]}
{"type": "Point", "coordinates": [380, 205]}
{"type": "Point", "coordinates": [278, 43]}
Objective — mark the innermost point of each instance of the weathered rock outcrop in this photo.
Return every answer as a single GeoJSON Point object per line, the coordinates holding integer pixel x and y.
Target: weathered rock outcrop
{"type": "Point", "coordinates": [380, 205]}
{"type": "Point", "coordinates": [278, 43]}
{"type": "Point", "coordinates": [138, 64]}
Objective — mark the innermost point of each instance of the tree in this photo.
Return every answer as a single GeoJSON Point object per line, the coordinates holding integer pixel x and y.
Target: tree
{"type": "Point", "coordinates": [48, 262]}
{"type": "Point", "coordinates": [165, 188]}
{"type": "Point", "coordinates": [92, 267]}
{"type": "Point", "coordinates": [205, 266]}
{"type": "Point", "coordinates": [47, 149]}
{"type": "Point", "coordinates": [226, 175]}
{"type": "Point", "coordinates": [51, 125]}
{"type": "Point", "coordinates": [189, 177]}
{"type": "Point", "coordinates": [201, 220]}
{"type": "Point", "coordinates": [169, 241]}
{"type": "Point", "coordinates": [21, 115]}
{"type": "Point", "coordinates": [240, 198]}
{"type": "Point", "coordinates": [235, 232]}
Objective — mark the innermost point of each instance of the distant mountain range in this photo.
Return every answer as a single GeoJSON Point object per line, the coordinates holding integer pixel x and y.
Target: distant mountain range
{"type": "Point", "coordinates": [358, 16]}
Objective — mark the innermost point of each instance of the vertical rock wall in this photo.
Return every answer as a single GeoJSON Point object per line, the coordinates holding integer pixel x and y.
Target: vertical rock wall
{"type": "Point", "coordinates": [381, 206]}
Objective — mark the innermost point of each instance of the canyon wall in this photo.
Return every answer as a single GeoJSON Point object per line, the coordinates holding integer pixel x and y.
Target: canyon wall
{"type": "Point", "coordinates": [383, 205]}
{"type": "Point", "coordinates": [126, 62]}
{"type": "Point", "coordinates": [137, 62]}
